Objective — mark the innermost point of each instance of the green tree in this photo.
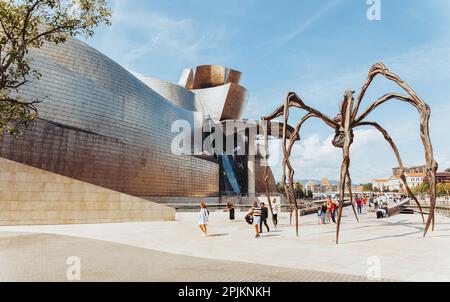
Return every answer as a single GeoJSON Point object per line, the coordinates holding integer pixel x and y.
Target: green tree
{"type": "Point", "coordinates": [447, 170]}
{"type": "Point", "coordinates": [368, 187]}
{"type": "Point", "coordinates": [443, 188]}
{"type": "Point", "coordinates": [280, 189]}
{"type": "Point", "coordinates": [298, 191]}
{"type": "Point", "coordinates": [420, 189]}
{"type": "Point", "coordinates": [310, 194]}
{"type": "Point", "coordinates": [26, 25]}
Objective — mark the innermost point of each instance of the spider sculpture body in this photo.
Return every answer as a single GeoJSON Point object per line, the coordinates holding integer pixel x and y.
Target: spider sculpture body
{"type": "Point", "coordinates": [343, 124]}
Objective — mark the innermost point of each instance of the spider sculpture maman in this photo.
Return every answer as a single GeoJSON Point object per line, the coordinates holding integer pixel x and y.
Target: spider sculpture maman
{"type": "Point", "coordinates": [344, 124]}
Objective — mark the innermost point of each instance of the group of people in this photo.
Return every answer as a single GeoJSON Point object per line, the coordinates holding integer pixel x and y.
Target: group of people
{"type": "Point", "coordinates": [328, 211]}
{"type": "Point", "coordinates": [258, 214]}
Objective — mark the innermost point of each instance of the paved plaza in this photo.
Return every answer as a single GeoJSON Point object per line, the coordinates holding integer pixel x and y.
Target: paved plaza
{"type": "Point", "coordinates": [175, 251]}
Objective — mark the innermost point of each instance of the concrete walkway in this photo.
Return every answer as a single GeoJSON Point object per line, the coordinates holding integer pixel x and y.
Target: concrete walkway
{"type": "Point", "coordinates": [393, 247]}
{"type": "Point", "coordinates": [43, 257]}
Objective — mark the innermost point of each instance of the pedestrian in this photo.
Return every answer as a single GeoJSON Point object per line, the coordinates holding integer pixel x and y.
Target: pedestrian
{"type": "Point", "coordinates": [336, 209]}
{"type": "Point", "coordinates": [364, 201]}
{"type": "Point", "coordinates": [329, 211]}
{"type": "Point", "coordinates": [231, 210]}
{"type": "Point", "coordinates": [333, 210]}
{"type": "Point", "coordinates": [359, 204]}
{"type": "Point", "coordinates": [371, 202]}
{"type": "Point", "coordinates": [264, 216]}
{"type": "Point", "coordinates": [203, 219]}
{"type": "Point", "coordinates": [255, 212]}
{"type": "Point", "coordinates": [323, 212]}
{"type": "Point", "coordinates": [275, 210]}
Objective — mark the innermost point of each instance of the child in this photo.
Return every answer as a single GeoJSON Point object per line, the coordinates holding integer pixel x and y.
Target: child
{"type": "Point", "coordinates": [203, 219]}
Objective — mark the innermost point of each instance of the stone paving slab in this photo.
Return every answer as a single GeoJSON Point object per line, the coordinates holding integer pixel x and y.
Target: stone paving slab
{"type": "Point", "coordinates": [42, 257]}
{"type": "Point", "coordinates": [396, 243]}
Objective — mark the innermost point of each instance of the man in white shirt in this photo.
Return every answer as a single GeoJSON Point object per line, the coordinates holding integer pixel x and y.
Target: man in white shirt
{"type": "Point", "coordinates": [275, 210]}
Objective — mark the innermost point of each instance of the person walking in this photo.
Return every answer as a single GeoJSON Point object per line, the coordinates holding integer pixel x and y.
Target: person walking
{"type": "Point", "coordinates": [276, 208]}
{"type": "Point", "coordinates": [324, 212]}
{"type": "Point", "coordinates": [264, 216]}
{"type": "Point", "coordinates": [329, 211]}
{"type": "Point", "coordinates": [319, 215]}
{"type": "Point", "coordinates": [336, 209]}
{"type": "Point", "coordinates": [203, 219]}
{"type": "Point", "coordinates": [255, 211]}
{"type": "Point", "coordinates": [231, 210]}
{"type": "Point", "coordinates": [333, 210]}
{"type": "Point", "coordinates": [359, 204]}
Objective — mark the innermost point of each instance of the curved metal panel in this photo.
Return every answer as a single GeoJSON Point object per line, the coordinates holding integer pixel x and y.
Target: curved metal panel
{"type": "Point", "coordinates": [177, 95]}
{"type": "Point", "coordinates": [102, 125]}
{"type": "Point", "coordinates": [207, 76]}
{"type": "Point", "coordinates": [223, 102]}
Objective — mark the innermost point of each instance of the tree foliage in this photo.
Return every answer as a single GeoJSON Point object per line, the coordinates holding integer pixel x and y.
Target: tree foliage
{"type": "Point", "coordinates": [280, 189]}
{"type": "Point", "coordinates": [443, 188]}
{"type": "Point", "coordinates": [298, 191]}
{"type": "Point", "coordinates": [368, 187]}
{"type": "Point", "coordinates": [26, 25]}
{"type": "Point", "coordinates": [421, 189]}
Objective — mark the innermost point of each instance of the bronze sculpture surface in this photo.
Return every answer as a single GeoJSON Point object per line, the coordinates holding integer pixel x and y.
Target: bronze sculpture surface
{"type": "Point", "coordinates": [346, 120]}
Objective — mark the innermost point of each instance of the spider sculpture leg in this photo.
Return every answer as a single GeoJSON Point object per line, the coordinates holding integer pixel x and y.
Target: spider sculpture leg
{"type": "Point", "coordinates": [344, 171]}
{"type": "Point", "coordinates": [346, 114]}
{"type": "Point", "coordinates": [282, 110]}
{"type": "Point", "coordinates": [293, 197]}
{"type": "Point", "coordinates": [349, 188]}
{"type": "Point", "coordinates": [265, 125]}
{"type": "Point", "coordinates": [399, 160]}
{"type": "Point", "coordinates": [425, 113]}
{"type": "Point", "coordinates": [289, 190]}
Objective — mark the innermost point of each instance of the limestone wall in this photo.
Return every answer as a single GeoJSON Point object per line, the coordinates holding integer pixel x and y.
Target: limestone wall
{"type": "Point", "coordinates": [31, 196]}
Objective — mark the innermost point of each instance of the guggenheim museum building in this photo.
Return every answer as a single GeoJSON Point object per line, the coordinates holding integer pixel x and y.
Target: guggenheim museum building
{"type": "Point", "coordinates": [101, 125]}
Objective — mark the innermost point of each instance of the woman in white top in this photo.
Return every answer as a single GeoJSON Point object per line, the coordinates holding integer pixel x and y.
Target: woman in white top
{"type": "Point", "coordinates": [203, 219]}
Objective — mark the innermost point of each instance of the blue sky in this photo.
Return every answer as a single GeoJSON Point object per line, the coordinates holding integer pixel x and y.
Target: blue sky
{"type": "Point", "coordinates": [315, 48]}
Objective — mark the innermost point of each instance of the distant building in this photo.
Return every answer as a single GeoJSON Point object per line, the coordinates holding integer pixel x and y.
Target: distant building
{"type": "Point", "coordinates": [312, 186]}
{"type": "Point", "coordinates": [380, 184]}
{"type": "Point", "coordinates": [358, 189]}
{"type": "Point", "coordinates": [443, 177]}
{"type": "Point", "coordinates": [410, 170]}
{"type": "Point", "coordinates": [395, 184]}
{"type": "Point", "coordinates": [324, 187]}
{"type": "Point", "coordinates": [415, 179]}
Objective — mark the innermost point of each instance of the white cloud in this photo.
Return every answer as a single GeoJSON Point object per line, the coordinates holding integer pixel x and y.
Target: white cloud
{"type": "Point", "coordinates": [150, 36]}
{"type": "Point", "coordinates": [316, 158]}
{"type": "Point", "coordinates": [426, 70]}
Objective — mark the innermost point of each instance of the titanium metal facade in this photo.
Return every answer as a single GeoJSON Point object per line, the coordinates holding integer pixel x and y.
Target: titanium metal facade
{"type": "Point", "coordinates": [102, 125]}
